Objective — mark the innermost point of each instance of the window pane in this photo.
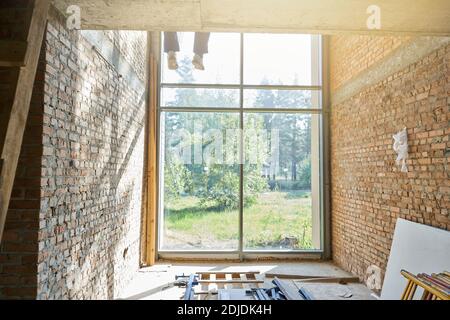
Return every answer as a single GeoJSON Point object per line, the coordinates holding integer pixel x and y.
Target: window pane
{"type": "Point", "coordinates": [222, 65]}
{"type": "Point", "coordinates": [301, 99]}
{"type": "Point", "coordinates": [211, 98]}
{"type": "Point", "coordinates": [200, 181]}
{"type": "Point", "coordinates": [281, 59]}
{"type": "Point", "coordinates": [281, 186]}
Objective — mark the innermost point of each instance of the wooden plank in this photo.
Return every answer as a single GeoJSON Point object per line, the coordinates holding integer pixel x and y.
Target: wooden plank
{"type": "Point", "coordinates": [152, 173]}
{"type": "Point", "coordinates": [12, 53]}
{"type": "Point", "coordinates": [238, 285]}
{"type": "Point", "coordinates": [431, 288]}
{"type": "Point", "coordinates": [405, 292]}
{"type": "Point", "coordinates": [230, 281]}
{"type": "Point", "coordinates": [434, 282]}
{"type": "Point", "coordinates": [228, 277]}
{"type": "Point", "coordinates": [20, 107]}
{"type": "Point", "coordinates": [145, 236]}
{"type": "Point", "coordinates": [221, 277]}
{"type": "Point", "coordinates": [204, 286]}
{"type": "Point", "coordinates": [252, 276]}
{"type": "Point", "coordinates": [229, 272]}
{"type": "Point", "coordinates": [247, 277]}
{"type": "Point", "coordinates": [442, 278]}
{"type": "Point", "coordinates": [145, 239]}
{"type": "Point", "coordinates": [214, 286]}
{"type": "Point", "coordinates": [341, 280]}
{"type": "Point", "coordinates": [291, 276]}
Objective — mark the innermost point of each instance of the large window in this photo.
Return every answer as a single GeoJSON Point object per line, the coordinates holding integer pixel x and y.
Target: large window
{"type": "Point", "coordinates": [240, 146]}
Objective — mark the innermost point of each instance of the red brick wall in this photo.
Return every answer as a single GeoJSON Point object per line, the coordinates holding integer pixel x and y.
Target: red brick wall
{"type": "Point", "coordinates": [18, 250]}
{"type": "Point", "coordinates": [368, 190]}
{"type": "Point", "coordinates": [352, 55]}
{"type": "Point", "coordinates": [19, 245]}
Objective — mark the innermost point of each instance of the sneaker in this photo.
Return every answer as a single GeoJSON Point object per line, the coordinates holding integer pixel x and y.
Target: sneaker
{"type": "Point", "coordinates": [198, 62]}
{"type": "Point", "coordinates": [172, 60]}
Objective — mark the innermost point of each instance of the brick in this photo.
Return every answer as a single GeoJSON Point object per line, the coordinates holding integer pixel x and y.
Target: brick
{"type": "Point", "coordinates": [422, 96]}
{"type": "Point", "coordinates": [422, 135]}
{"type": "Point", "coordinates": [438, 146]}
{"type": "Point", "coordinates": [358, 54]}
{"type": "Point", "coordinates": [368, 197]}
{"type": "Point", "coordinates": [67, 211]}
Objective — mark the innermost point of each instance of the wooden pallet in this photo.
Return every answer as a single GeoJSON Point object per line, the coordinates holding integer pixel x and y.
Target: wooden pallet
{"type": "Point", "coordinates": [210, 282]}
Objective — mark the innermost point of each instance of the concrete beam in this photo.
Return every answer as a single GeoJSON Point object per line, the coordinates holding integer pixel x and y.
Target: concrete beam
{"type": "Point", "coordinates": [423, 17]}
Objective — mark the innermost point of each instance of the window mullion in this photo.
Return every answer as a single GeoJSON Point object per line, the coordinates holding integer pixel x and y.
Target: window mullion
{"type": "Point", "coordinates": [241, 152]}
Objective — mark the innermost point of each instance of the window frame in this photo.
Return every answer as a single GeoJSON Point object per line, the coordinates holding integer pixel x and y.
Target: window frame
{"type": "Point", "coordinates": [320, 110]}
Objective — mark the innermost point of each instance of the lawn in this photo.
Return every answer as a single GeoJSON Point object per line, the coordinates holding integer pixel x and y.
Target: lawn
{"type": "Point", "coordinates": [278, 220]}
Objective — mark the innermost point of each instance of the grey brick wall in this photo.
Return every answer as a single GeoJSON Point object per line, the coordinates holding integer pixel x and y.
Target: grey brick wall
{"type": "Point", "coordinates": [73, 230]}
{"type": "Point", "coordinates": [92, 163]}
{"type": "Point", "coordinates": [18, 248]}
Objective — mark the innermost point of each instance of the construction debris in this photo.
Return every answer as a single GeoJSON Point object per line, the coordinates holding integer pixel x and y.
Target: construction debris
{"type": "Point", "coordinates": [239, 285]}
{"type": "Point", "coordinates": [340, 280]}
{"type": "Point", "coordinates": [291, 276]}
{"type": "Point", "coordinates": [323, 279]}
{"type": "Point", "coordinates": [219, 279]}
{"type": "Point", "coordinates": [305, 294]}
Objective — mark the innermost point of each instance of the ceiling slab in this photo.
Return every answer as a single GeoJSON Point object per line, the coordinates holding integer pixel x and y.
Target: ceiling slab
{"type": "Point", "coordinates": [421, 17]}
{"type": "Point", "coordinates": [136, 14]}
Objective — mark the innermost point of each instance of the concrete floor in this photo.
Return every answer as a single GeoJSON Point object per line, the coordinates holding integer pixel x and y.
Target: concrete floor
{"type": "Point", "coordinates": [156, 283]}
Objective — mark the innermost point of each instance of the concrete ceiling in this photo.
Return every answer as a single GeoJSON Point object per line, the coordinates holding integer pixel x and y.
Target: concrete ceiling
{"type": "Point", "coordinates": [424, 17]}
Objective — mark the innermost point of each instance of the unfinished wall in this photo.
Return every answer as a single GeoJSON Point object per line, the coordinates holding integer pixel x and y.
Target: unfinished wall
{"type": "Point", "coordinates": [352, 55]}
{"type": "Point", "coordinates": [379, 86]}
{"type": "Point", "coordinates": [18, 249]}
{"type": "Point", "coordinates": [73, 229]}
{"type": "Point", "coordinates": [92, 164]}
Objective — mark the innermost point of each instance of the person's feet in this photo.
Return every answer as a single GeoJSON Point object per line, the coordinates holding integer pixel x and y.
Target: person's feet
{"type": "Point", "coordinates": [198, 62]}
{"type": "Point", "coordinates": [172, 64]}
{"type": "Point", "coordinates": [172, 60]}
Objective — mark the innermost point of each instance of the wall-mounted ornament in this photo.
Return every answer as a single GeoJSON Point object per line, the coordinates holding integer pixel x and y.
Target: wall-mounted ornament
{"type": "Point", "coordinates": [401, 148]}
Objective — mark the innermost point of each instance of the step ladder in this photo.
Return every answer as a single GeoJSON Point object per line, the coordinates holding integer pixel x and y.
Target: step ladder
{"type": "Point", "coordinates": [22, 28]}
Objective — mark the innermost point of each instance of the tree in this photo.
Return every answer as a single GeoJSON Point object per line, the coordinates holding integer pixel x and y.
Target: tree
{"type": "Point", "coordinates": [295, 129]}
{"type": "Point", "coordinates": [217, 182]}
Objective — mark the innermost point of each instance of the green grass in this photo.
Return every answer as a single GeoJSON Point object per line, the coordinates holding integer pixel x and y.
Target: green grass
{"type": "Point", "coordinates": [276, 217]}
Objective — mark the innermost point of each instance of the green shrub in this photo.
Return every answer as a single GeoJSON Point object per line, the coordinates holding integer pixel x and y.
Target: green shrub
{"type": "Point", "coordinates": [304, 174]}
{"type": "Point", "coordinates": [222, 187]}
{"type": "Point", "coordinates": [178, 180]}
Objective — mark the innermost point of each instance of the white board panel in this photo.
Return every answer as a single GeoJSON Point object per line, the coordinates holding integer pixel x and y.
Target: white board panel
{"type": "Point", "coordinates": [416, 248]}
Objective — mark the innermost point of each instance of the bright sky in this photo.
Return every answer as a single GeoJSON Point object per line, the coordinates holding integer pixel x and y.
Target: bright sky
{"type": "Point", "coordinates": [281, 58]}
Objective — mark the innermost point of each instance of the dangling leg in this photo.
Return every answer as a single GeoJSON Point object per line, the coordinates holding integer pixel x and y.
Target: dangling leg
{"type": "Point", "coordinates": [171, 46]}
{"type": "Point", "coordinates": [200, 48]}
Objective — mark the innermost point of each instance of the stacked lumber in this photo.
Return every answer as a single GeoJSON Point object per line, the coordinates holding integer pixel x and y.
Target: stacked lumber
{"type": "Point", "coordinates": [439, 281]}
{"type": "Point", "coordinates": [322, 279]}
{"type": "Point", "coordinates": [436, 286]}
